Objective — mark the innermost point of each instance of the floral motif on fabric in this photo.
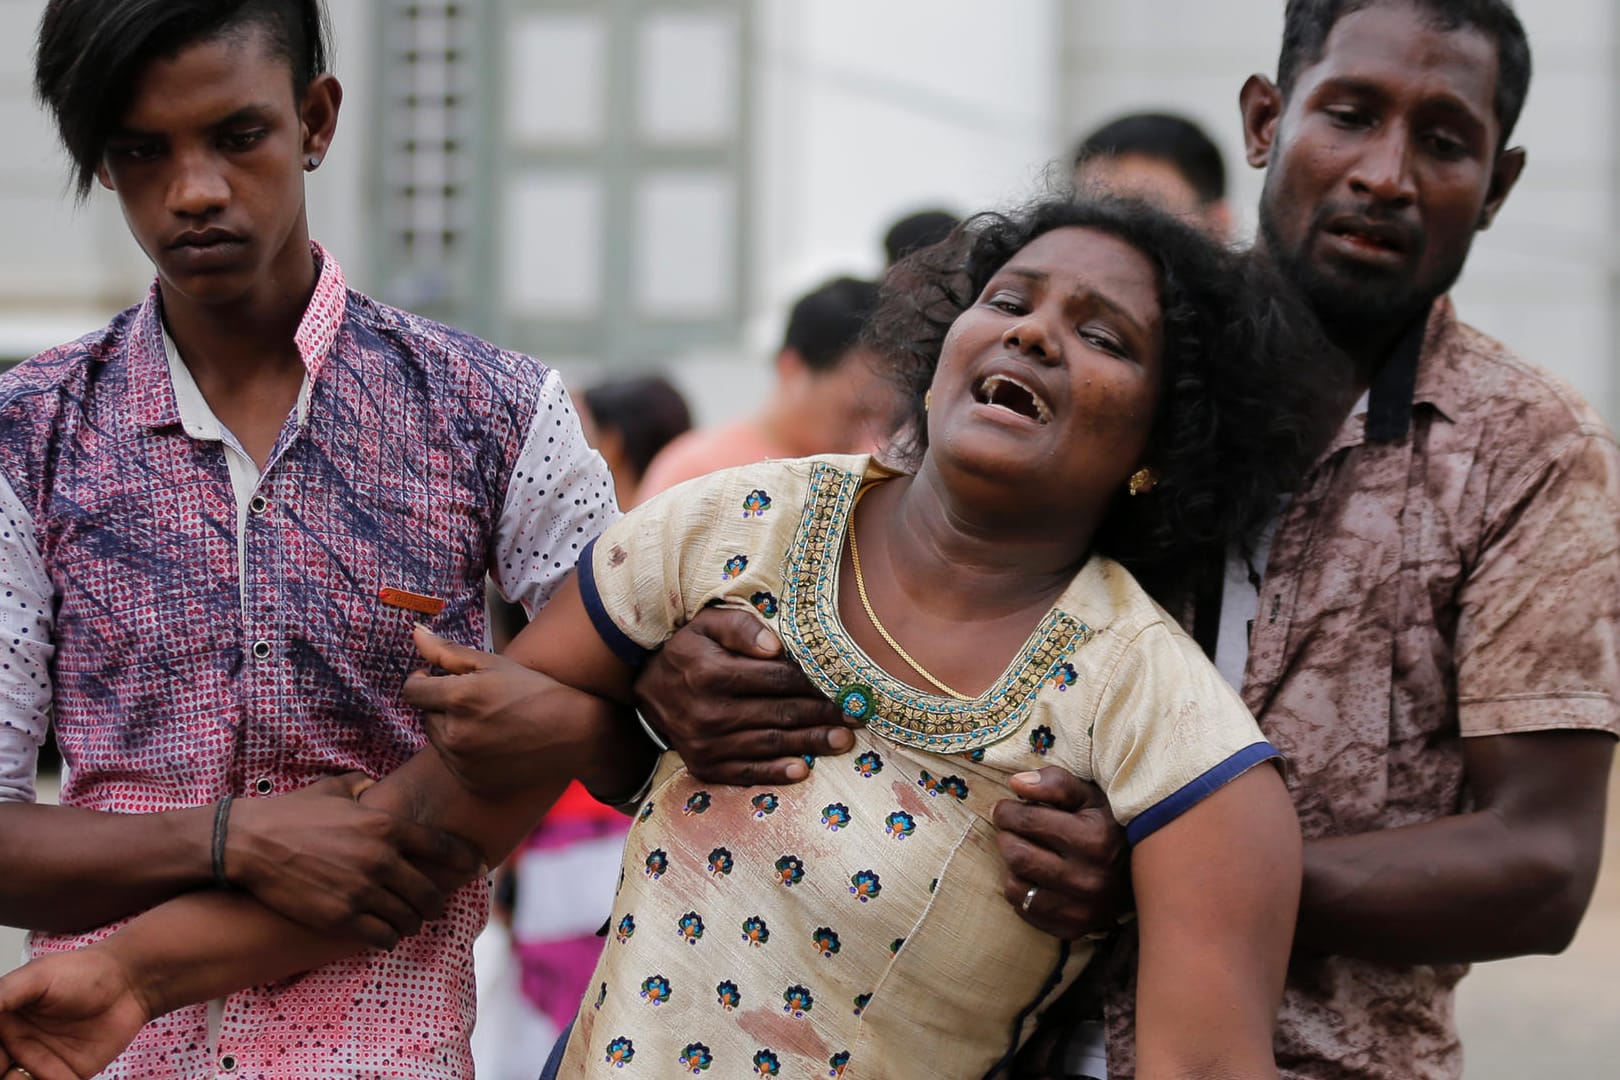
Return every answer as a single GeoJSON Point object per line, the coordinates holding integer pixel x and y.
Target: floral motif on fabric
{"type": "Point", "coordinates": [720, 862]}
{"type": "Point", "coordinates": [790, 869]}
{"type": "Point", "coordinates": [1041, 740]}
{"type": "Point", "coordinates": [865, 885]}
{"type": "Point", "coordinates": [728, 996]}
{"type": "Point", "coordinates": [942, 785]}
{"type": "Point", "coordinates": [690, 927]}
{"type": "Point", "coordinates": [826, 941]}
{"type": "Point", "coordinates": [696, 1057]}
{"type": "Point", "coordinates": [798, 1000]}
{"type": "Point", "coordinates": [655, 989]}
{"type": "Point", "coordinates": [835, 816]}
{"type": "Point", "coordinates": [620, 1052]}
{"type": "Point", "coordinates": [755, 931]}
{"type": "Point", "coordinates": [899, 824]}
{"type": "Point", "coordinates": [755, 503]}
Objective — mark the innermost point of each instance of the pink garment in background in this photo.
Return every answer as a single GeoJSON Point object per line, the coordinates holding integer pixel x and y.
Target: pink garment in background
{"type": "Point", "coordinates": [698, 453]}
{"type": "Point", "coordinates": [566, 873]}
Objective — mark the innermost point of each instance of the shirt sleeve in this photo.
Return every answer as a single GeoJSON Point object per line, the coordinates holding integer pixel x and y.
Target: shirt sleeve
{"type": "Point", "coordinates": [1538, 626]}
{"type": "Point", "coordinates": [559, 498]}
{"type": "Point", "coordinates": [640, 579]}
{"type": "Point", "coordinates": [26, 629]}
{"type": "Point", "coordinates": [1170, 732]}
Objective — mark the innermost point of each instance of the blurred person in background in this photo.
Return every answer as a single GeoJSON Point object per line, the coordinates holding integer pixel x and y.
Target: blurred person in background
{"type": "Point", "coordinates": [1165, 159]}
{"type": "Point", "coordinates": [635, 418]}
{"type": "Point", "coordinates": [828, 397]}
{"type": "Point", "coordinates": [555, 890]}
{"type": "Point", "coordinates": [914, 232]}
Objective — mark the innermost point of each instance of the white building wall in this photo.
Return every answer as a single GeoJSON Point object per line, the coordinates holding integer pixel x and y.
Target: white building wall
{"type": "Point", "coordinates": [337, 192]}
{"type": "Point", "coordinates": [870, 110]}
{"type": "Point", "coordinates": [867, 111]}
{"type": "Point", "coordinates": [62, 267]}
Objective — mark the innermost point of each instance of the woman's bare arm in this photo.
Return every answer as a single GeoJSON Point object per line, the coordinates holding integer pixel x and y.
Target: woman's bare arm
{"type": "Point", "coordinates": [1217, 891]}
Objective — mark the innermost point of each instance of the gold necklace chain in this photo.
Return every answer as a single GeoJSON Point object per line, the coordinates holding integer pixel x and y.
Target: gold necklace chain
{"type": "Point", "coordinates": [866, 604]}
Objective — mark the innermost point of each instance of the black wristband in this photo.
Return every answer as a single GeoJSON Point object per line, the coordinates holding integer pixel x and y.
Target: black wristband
{"type": "Point", "coordinates": [222, 818]}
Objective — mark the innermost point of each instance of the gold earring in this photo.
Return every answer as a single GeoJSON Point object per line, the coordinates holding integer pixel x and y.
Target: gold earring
{"type": "Point", "coordinates": [1142, 481]}
{"type": "Point", "coordinates": [928, 400]}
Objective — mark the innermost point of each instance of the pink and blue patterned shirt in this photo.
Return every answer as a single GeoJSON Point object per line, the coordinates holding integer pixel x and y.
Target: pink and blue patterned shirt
{"type": "Point", "coordinates": [193, 628]}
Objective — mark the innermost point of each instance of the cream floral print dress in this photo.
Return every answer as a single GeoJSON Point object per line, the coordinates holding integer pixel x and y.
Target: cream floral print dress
{"type": "Point", "coordinates": [853, 925]}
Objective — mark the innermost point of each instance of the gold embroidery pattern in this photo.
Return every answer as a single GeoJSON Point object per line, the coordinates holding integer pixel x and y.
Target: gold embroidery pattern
{"type": "Point", "coordinates": [814, 638]}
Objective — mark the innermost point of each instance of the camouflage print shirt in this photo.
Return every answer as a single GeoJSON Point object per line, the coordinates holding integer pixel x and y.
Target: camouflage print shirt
{"type": "Point", "coordinates": [1449, 569]}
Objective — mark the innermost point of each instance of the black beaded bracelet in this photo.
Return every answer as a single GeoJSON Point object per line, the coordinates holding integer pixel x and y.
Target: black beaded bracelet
{"type": "Point", "coordinates": [222, 817]}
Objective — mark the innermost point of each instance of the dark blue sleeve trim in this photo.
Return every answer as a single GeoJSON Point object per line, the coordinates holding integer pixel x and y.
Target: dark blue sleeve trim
{"type": "Point", "coordinates": [1197, 790]}
{"type": "Point", "coordinates": [612, 636]}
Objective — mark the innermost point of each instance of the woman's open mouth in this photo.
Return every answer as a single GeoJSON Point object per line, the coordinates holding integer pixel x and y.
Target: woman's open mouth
{"type": "Point", "coordinates": [1006, 392]}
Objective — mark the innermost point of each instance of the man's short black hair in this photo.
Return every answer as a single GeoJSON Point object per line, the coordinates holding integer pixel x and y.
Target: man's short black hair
{"type": "Point", "coordinates": [826, 322]}
{"type": "Point", "coordinates": [90, 53]}
{"type": "Point", "coordinates": [917, 231]}
{"type": "Point", "coordinates": [1307, 24]}
{"type": "Point", "coordinates": [1165, 137]}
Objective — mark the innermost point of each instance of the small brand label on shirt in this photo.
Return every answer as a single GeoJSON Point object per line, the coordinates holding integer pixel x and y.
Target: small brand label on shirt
{"type": "Point", "coordinates": [409, 601]}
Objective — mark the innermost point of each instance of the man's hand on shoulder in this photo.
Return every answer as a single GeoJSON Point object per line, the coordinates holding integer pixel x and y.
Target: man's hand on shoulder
{"type": "Point", "coordinates": [736, 710]}
{"type": "Point", "coordinates": [320, 858]}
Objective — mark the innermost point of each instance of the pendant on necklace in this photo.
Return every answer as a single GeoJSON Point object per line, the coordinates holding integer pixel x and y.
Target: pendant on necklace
{"type": "Point", "coordinates": [855, 702]}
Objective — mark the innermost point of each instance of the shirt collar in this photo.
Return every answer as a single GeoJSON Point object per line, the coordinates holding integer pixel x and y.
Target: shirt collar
{"type": "Point", "coordinates": [1392, 394]}
{"type": "Point", "coordinates": [1418, 372]}
{"type": "Point", "coordinates": [152, 397]}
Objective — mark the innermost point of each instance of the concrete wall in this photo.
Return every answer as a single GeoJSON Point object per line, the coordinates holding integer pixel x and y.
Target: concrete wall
{"type": "Point", "coordinates": [62, 267]}
{"type": "Point", "coordinates": [865, 112]}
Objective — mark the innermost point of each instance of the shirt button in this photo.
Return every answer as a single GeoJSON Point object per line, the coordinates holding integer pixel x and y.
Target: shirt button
{"type": "Point", "coordinates": [259, 504]}
{"type": "Point", "coordinates": [264, 785]}
{"type": "Point", "coordinates": [227, 1064]}
{"type": "Point", "coordinates": [261, 650]}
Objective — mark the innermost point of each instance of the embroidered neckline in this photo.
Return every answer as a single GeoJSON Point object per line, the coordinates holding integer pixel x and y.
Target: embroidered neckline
{"type": "Point", "coordinates": [817, 640]}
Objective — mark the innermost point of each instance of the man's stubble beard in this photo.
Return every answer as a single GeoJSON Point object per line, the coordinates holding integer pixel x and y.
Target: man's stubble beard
{"type": "Point", "coordinates": [1352, 307]}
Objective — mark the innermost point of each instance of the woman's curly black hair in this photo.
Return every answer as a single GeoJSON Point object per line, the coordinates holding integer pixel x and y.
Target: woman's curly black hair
{"type": "Point", "coordinates": [1251, 389]}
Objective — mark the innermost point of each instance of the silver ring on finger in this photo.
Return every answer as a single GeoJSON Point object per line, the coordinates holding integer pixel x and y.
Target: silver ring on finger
{"type": "Point", "coordinates": [1029, 898]}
